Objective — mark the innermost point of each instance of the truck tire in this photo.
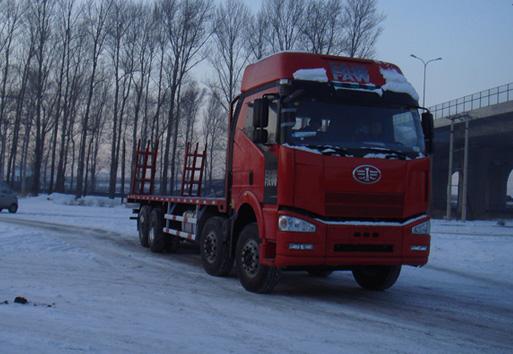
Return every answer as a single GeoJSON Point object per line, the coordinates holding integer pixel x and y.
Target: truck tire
{"type": "Point", "coordinates": [253, 276]}
{"type": "Point", "coordinates": [215, 254]}
{"type": "Point", "coordinates": [143, 224]}
{"type": "Point", "coordinates": [319, 273]}
{"type": "Point", "coordinates": [156, 236]}
{"type": "Point", "coordinates": [376, 278]}
{"type": "Point", "coordinates": [172, 243]}
{"type": "Point", "coordinates": [13, 208]}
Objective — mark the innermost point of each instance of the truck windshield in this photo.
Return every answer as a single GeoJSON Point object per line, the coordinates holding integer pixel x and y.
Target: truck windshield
{"type": "Point", "coordinates": [362, 131]}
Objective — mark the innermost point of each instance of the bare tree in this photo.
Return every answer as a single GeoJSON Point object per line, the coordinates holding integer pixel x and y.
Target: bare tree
{"type": "Point", "coordinates": [140, 34]}
{"type": "Point", "coordinates": [324, 28]}
{"type": "Point", "coordinates": [186, 22]}
{"type": "Point", "coordinates": [286, 21]}
{"type": "Point", "coordinates": [363, 27]}
{"type": "Point", "coordinates": [10, 12]}
{"type": "Point", "coordinates": [256, 35]}
{"type": "Point", "coordinates": [230, 56]}
{"type": "Point", "coordinates": [40, 15]}
{"type": "Point", "coordinates": [214, 131]}
{"type": "Point", "coordinates": [98, 119]}
{"type": "Point", "coordinates": [191, 101]}
{"type": "Point", "coordinates": [72, 68]}
{"type": "Point", "coordinates": [82, 80]}
{"type": "Point", "coordinates": [96, 20]}
{"type": "Point", "coordinates": [27, 51]}
{"type": "Point", "coordinates": [116, 31]}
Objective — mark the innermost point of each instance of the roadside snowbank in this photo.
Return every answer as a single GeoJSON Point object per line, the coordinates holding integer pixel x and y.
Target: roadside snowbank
{"type": "Point", "coordinates": [91, 201]}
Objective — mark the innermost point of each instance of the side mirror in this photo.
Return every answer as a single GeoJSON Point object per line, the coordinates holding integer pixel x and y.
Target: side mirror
{"type": "Point", "coordinates": [261, 113]}
{"type": "Point", "coordinates": [428, 129]}
{"type": "Point", "coordinates": [260, 136]}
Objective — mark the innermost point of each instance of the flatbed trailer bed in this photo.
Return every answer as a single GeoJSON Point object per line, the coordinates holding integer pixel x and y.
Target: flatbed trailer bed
{"type": "Point", "coordinates": [219, 202]}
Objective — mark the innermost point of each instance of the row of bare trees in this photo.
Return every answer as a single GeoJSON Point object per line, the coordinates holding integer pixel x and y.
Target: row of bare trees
{"type": "Point", "coordinates": [82, 81]}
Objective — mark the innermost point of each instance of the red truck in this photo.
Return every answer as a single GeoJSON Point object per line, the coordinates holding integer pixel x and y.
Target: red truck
{"type": "Point", "coordinates": [327, 168]}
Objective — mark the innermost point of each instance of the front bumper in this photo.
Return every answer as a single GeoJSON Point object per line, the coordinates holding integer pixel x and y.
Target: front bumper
{"type": "Point", "coordinates": [351, 243]}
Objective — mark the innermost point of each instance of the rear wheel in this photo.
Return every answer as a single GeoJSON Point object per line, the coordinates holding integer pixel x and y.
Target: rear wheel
{"type": "Point", "coordinates": [172, 243]}
{"type": "Point", "coordinates": [13, 208]}
{"type": "Point", "coordinates": [156, 236]}
{"type": "Point", "coordinates": [253, 276]}
{"type": "Point", "coordinates": [215, 254]}
{"type": "Point", "coordinates": [376, 278]}
{"type": "Point", "coordinates": [144, 224]}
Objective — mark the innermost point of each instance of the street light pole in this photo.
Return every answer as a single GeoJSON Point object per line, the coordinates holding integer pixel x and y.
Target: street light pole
{"type": "Point", "coordinates": [426, 63]}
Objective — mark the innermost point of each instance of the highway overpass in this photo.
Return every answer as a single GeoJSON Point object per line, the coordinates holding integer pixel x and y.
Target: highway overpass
{"type": "Point", "coordinates": [490, 154]}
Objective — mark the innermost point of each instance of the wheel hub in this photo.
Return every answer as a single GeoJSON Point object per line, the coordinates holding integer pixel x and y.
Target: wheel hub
{"type": "Point", "coordinates": [250, 258]}
{"type": "Point", "coordinates": [210, 247]}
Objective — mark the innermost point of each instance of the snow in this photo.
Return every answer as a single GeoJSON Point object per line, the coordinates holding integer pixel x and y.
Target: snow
{"type": "Point", "coordinates": [372, 155]}
{"type": "Point", "coordinates": [67, 199]}
{"type": "Point", "coordinates": [109, 295]}
{"type": "Point", "coordinates": [317, 74]}
{"type": "Point", "coordinates": [302, 148]}
{"type": "Point", "coordinates": [396, 82]}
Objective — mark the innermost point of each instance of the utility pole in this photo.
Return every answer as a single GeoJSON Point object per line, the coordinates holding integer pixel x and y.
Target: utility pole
{"type": "Point", "coordinates": [426, 63]}
{"type": "Point", "coordinates": [449, 177]}
{"type": "Point", "coordinates": [465, 173]}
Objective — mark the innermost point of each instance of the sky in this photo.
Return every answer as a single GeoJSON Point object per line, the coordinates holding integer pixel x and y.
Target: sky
{"type": "Point", "coordinates": [474, 38]}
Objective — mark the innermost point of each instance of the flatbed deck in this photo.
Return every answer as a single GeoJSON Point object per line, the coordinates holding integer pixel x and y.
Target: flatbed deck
{"type": "Point", "coordinates": [219, 202]}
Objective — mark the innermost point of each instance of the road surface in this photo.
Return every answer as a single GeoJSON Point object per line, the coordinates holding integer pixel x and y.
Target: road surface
{"type": "Point", "coordinates": [92, 288]}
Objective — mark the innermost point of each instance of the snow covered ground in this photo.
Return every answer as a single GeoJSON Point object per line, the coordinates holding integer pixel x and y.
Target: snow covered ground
{"type": "Point", "coordinates": [92, 288]}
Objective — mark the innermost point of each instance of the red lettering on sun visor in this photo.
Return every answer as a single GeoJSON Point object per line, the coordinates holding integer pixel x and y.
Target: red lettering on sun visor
{"type": "Point", "coordinates": [353, 73]}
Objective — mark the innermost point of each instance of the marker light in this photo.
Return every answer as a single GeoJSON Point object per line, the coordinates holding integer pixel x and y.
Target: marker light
{"type": "Point", "coordinates": [292, 224]}
{"type": "Point", "coordinates": [422, 229]}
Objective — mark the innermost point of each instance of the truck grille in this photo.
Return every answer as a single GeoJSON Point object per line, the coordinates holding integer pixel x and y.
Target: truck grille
{"type": "Point", "coordinates": [364, 248]}
{"type": "Point", "coordinates": [383, 205]}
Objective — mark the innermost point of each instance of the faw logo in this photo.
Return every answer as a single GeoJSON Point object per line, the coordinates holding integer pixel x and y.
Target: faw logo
{"type": "Point", "coordinates": [367, 174]}
{"type": "Point", "coordinates": [350, 73]}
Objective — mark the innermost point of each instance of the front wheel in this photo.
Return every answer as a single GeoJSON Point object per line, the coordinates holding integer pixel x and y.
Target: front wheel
{"type": "Point", "coordinates": [253, 276]}
{"type": "Point", "coordinates": [13, 208]}
{"type": "Point", "coordinates": [376, 278]}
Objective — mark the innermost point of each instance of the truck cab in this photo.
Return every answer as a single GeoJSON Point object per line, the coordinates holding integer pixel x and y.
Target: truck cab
{"type": "Point", "coordinates": [330, 156]}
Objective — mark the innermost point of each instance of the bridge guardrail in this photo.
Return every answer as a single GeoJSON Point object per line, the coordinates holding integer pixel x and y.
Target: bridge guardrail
{"type": "Point", "coordinates": [496, 95]}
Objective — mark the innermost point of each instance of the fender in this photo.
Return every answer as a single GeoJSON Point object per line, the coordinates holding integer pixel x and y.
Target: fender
{"type": "Point", "coordinates": [250, 199]}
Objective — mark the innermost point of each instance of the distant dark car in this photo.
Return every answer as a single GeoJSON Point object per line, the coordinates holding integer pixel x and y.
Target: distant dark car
{"type": "Point", "coordinates": [8, 198]}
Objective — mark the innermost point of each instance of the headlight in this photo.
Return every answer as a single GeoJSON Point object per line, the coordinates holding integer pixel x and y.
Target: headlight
{"type": "Point", "coordinates": [292, 224]}
{"type": "Point", "coordinates": [422, 229]}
